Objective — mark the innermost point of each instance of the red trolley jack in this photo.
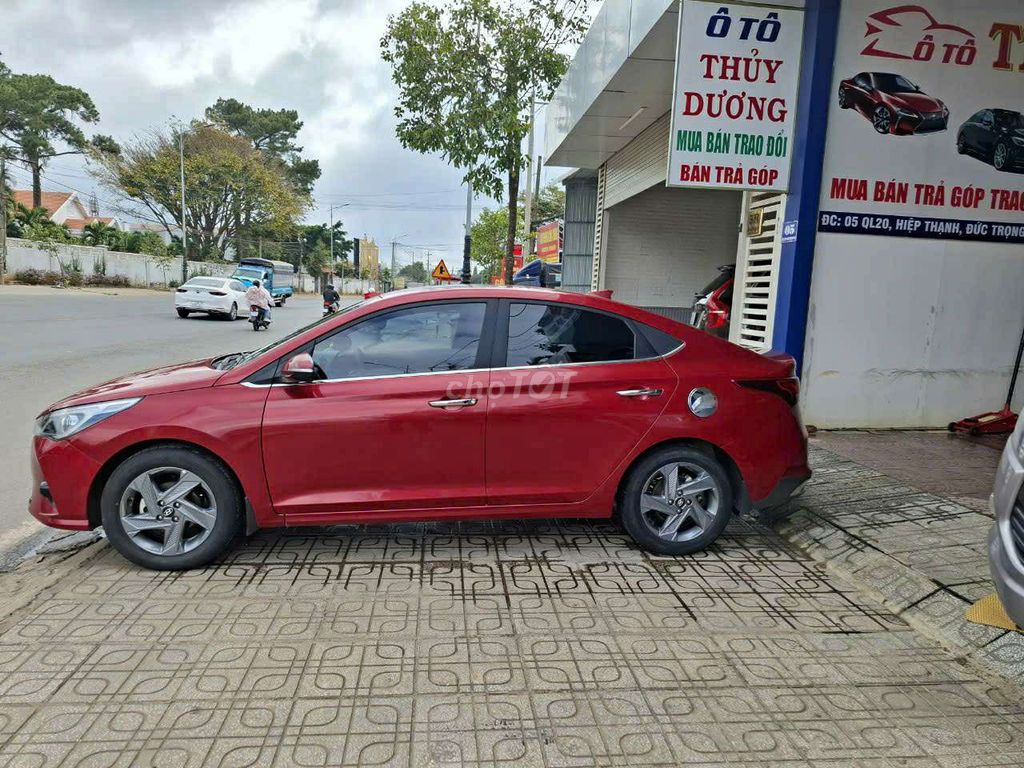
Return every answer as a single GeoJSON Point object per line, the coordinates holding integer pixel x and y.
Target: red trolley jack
{"type": "Point", "coordinates": [996, 422]}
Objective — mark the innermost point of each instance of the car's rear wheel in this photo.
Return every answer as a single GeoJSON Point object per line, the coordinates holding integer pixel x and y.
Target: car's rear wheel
{"type": "Point", "coordinates": [233, 312]}
{"type": "Point", "coordinates": [183, 313]}
{"type": "Point", "coordinates": [961, 144]}
{"type": "Point", "coordinates": [171, 508]}
{"type": "Point", "coordinates": [676, 501]}
{"type": "Point", "coordinates": [882, 119]}
{"type": "Point", "coordinates": [1000, 157]}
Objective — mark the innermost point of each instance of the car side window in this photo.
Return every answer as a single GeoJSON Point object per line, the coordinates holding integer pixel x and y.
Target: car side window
{"type": "Point", "coordinates": [237, 286]}
{"type": "Point", "coordinates": [548, 334]}
{"type": "Point", "coordinates": [429, 338]}
{"type": "Point", "coordinates": [987, 119]}
{"type": "Point", "coordinates": [862, 81]}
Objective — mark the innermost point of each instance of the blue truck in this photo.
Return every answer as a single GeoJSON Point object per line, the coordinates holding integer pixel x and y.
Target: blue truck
{"type": "Point", "coordinates": [277, 277]}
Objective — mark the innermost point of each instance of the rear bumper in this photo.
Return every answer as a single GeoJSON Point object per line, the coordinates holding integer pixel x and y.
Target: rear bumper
{"type": "Point", "coordinates": [788, 488]}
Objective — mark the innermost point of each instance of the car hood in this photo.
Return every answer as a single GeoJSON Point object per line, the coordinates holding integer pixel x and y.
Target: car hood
{"type": "Point", "coordinates": [196, 374]}
{"type": "Point", "coordinates": [921, 102]}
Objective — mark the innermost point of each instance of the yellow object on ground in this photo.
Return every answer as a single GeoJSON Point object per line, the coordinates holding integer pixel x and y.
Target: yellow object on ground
{"type": "Point", "coordinates": [990, 612]}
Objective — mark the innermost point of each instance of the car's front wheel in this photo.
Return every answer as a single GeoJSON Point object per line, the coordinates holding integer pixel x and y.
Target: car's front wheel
{"type": "Point", "coordinates": [961, 144]}
{"type": "Point", "coordinates": [676, 501]}
{"type": "Point", "coordinates": [882, 119]}
{"type": "Point", "coordinates": [183, 313]}
{"type": "Point", "coordinates": [171, 508]}
{"type": "Point", "coordinates": [844, 99]}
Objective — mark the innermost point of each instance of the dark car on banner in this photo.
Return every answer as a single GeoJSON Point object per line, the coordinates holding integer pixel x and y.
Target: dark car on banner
{"type": "Point", "coordinates": [995, 136]}
{"type": "Point", "coordinates": [894, 105]}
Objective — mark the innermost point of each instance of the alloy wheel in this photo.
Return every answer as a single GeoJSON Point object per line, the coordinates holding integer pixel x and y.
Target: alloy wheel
{"type": "Point", "coordinates": [882, 120]}
{"type": "Point", "coordinates": [233, 314]}
{"type": "Point", "coordinates": [680, 501]}
{"type": "Point", "coordinates": [844, 98]}
{"type": "Point", "coordinates": [168, 511]}
{"type": "Point", "coordinates": [1000, 156]}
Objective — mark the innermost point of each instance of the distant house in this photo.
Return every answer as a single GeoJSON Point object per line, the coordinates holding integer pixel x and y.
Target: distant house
{"type": "Point", "coordinates": [65, 208]}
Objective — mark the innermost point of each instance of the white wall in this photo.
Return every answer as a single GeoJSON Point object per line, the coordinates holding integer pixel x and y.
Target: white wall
{"type": "Point", "coordinates": [664, 244]}
{"type": "Point", "coordinates": [910, 337]}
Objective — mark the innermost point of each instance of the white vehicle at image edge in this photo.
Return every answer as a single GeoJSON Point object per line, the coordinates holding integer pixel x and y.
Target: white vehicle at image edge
{"type": "Point", "coordinates": [1006, 544]}
{"type": "Point", "coordinates": [221, 296]}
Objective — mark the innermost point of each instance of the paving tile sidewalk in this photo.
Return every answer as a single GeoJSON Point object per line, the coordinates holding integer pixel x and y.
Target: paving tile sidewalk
{"type": "Point", "coordinates": [922, 553]}
{"type": "Point", "coordinates": [553, 643]}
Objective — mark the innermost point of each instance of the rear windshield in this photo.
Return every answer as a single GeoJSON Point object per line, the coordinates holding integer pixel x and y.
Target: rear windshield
{"type": "Point", "coordinates": [204, 282]}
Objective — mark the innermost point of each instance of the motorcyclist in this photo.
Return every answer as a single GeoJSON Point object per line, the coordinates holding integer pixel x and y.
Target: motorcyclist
{"type": "Point", "coordinates": [258, 296]}
{"type": "Point", "coordinates": [331, 296]}
{"type": "Point", "coordinates": [331, 299]}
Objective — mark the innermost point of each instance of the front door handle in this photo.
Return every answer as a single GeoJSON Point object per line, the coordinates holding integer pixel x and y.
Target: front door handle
{"type": "Point", "coordinates": [452, 403]}
{"type": "Point", "coordinates": [638, 392]}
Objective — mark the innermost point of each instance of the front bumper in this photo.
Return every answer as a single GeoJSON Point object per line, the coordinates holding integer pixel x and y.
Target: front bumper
{"type": "Point", "coordinates": [68, 474]}
{"type": "Point", "coordinates": [1007, 575]}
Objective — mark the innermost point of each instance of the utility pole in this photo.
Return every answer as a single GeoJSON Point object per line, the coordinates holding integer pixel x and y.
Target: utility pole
{"type": "Point", "coordinates": [428, 267]}
{"type": "Point", "coordinates": [528, 207]}
{"type": "Point", "coordinates": [468, 243]}
{"type": "Point", "coordinates": [184, 226]}
{"type": "Point", "coordinates": [3, 216]}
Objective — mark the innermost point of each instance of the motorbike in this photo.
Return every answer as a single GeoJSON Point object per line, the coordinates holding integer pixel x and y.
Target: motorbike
{"type": "Point", "coordinates": [260, 318]}
{"type": "Point", "coordinates": [330, 307]}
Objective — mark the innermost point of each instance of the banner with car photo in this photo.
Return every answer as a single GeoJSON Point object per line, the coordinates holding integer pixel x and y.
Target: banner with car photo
{"type": "Point", "coordinates": [926, 125]}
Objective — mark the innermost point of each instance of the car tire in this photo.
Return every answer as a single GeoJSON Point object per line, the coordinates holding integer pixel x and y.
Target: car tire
{"type": "Point", "coordinates": [961, 144]}
{"type": "Point", "coordinates": [233, 312]}
{"type": "Point", "coordinates": [1001, 157]}
{"type": "Point", "coordinates": [183, 313]}
{"type": "Point", "coordinates": [203, 528]}
{"type": "Point", "coordinates": [649, 494]}
{"type": "Point", "coordinates": [844, 99]}
{"type": "Point", "coordinates": [881, 119]}
{"type": "Point", "coordinates": [282, 302]}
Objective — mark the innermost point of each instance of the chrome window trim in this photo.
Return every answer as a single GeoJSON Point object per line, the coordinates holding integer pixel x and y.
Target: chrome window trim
{"type": "Point", "coordinates": [681, 346]}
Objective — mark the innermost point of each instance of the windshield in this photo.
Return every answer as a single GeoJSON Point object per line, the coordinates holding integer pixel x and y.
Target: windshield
{"type": "Point", "coordinates": [894, 84]}
{"type": "Point", "coordinates": [249, 272]}
{"type": "Point", "coordinates": [227, 362]}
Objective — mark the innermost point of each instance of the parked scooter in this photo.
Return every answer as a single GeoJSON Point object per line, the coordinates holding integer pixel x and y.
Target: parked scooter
{"type": "Point", "coordinates": [259, 317]}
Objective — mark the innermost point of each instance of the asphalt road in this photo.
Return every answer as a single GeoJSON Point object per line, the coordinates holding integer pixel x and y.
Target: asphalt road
{"type": "Point", "coordinates": [56, 342]}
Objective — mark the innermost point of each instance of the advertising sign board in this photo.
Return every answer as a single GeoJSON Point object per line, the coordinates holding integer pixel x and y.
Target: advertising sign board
{"type": "Point", "coordinates": [926, 128]}
{"type": "Point", "coordinates": [734, 98]}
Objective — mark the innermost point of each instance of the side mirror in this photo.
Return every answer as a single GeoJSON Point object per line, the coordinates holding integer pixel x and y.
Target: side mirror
{"type": "Point", "coordinates": [299, 369]}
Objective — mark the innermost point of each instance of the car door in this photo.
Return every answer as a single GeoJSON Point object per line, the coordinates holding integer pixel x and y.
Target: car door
{"type": "Point", "coordinates": [573, 391]}
{"type": "Point", "coordinates": [395, 422]}
{"type": "Point", "coordinates": [238, 292]}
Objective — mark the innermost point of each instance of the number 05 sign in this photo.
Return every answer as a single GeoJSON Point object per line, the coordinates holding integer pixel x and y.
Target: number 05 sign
{"type": "Point", "coordinates": [737, 71]}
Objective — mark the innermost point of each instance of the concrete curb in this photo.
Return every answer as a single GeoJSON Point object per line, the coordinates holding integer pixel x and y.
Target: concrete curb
{"type": "Point", "coordinates": [929, 607]}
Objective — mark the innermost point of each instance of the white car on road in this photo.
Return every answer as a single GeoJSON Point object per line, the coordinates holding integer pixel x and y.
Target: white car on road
{"type": "Point", "coordinates": [221, 296]}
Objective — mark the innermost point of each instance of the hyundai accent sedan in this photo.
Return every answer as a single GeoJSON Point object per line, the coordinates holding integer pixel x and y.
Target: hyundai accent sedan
{"type": "Point", "coordinates": [430, 404]}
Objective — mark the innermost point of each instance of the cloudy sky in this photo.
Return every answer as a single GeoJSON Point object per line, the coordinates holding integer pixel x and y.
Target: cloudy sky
{"type": "Point", "coordinates": [146, 61]}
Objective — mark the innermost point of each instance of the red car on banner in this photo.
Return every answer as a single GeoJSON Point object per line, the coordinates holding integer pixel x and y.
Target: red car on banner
{"type": "Point", "coordinates": [894, 105]}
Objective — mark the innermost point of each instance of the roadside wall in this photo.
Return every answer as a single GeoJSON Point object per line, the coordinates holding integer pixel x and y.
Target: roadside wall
{"type": "Point", "coordinates": [141, 269]}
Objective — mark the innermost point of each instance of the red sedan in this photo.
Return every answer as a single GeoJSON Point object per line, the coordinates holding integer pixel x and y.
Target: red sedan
{"type": "Point", "coordinates": [425, 405]}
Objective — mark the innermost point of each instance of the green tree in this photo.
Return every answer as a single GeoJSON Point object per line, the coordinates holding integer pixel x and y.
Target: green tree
{"type": "Point", "coordinates": [223, 173]}
{"type": "Point", "coordinates": [39, 117]}
{"type": "Point", "coordinates": [414, 272]}
{"type": "Point", "coordinates": [101, 233]}
{"type": "Point", "coordinates": [468, 73]}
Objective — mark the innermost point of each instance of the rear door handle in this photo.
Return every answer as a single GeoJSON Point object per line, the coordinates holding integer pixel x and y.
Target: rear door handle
{"type": "Point", "coordinates": [638, 392]}
{"type": "Point", "coordinates": [452, 403]}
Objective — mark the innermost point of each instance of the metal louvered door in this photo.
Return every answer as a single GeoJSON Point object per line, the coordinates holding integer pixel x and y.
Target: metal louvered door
{"type": "Point", "coordinates": [757, 270]}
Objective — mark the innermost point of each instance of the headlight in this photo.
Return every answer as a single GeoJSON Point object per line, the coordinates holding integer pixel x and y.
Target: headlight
{"type": "Point", "coordinates": [65, 422]}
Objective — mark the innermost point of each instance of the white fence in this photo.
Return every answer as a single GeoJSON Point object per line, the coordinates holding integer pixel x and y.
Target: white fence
{"type": "Point", "coordinates": [141, 269]}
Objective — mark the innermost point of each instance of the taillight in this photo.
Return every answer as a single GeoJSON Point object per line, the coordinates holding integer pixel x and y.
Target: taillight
{"type": "Point", "coordinates": [182, 290]}
{"type": "Point", "coordinates": [787, 389]}
{"type": "Point", "coordinates": [718, 310]}
{"type": "Point", "coordinates": [218, 293]}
